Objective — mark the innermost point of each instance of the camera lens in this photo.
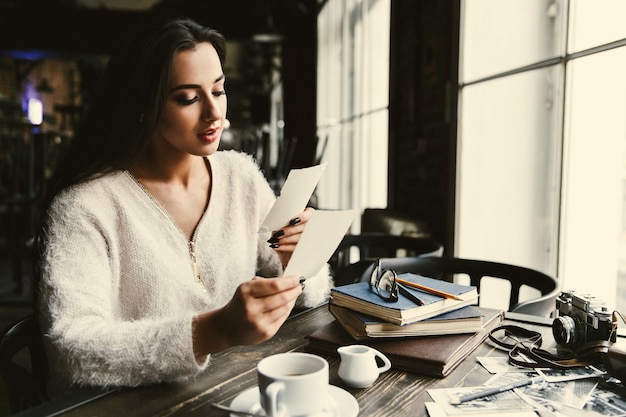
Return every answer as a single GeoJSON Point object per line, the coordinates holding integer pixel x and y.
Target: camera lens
{"type": "Point", "coordinates": [564, 330]}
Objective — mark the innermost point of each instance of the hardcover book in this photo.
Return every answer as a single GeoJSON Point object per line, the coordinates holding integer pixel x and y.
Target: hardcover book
{"type": "Point", "coordinates": [362, 327]}
{"type": "Point", "coordinates": [362, 298]}
{"type": "Point", "coordinates": [431, 355]}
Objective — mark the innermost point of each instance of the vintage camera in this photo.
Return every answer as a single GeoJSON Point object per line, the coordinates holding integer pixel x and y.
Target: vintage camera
{"type": "Point", "coordinates": [581, 318]}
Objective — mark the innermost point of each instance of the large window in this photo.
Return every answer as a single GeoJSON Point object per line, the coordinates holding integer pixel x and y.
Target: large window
{"type": "Point", "coordinates": [353, 101]}
{"type": "Point", "coordinates": [542, 139]}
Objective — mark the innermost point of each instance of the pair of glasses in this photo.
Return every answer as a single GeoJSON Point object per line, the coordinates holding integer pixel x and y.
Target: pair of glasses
{"type": "Point", "coordinates": [385, 283]}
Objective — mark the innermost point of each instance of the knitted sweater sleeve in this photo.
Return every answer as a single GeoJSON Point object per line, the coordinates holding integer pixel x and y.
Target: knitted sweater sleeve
{"type": "Point", "coordinates": [88, 342]}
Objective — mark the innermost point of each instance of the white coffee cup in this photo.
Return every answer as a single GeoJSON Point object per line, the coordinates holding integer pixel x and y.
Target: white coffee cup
{"type": "Point", "coordinates": [293, 384]}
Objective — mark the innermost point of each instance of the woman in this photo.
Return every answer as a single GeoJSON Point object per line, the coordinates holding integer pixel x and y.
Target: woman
{"type": "Point", "coordinates": [151, 256]}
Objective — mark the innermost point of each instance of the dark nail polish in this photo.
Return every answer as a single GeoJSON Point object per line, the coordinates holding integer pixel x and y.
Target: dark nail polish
{"type": "Point", "coordinates": [278, 234]}
{"type": "Point", "coordinates": [273, 239]}
{"type": "Point", "coordinates": [274, 246]}
{"type": "Point", "coordinates": [294, 221]}
{"type": "Point", "coordinates": [302, 279]}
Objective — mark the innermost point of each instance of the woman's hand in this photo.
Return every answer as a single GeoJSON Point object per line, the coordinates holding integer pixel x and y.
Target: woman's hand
{"type": "Point", "coordinates": [254, 314]}
{"type": "Point", "coordinates": [284, 241]}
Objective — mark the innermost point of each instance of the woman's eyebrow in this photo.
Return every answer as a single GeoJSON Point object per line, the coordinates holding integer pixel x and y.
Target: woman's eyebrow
{"type": "Point", "coordinates": [195, 86]}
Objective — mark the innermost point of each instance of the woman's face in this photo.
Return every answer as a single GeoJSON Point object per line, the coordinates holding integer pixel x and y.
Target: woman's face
{"type": "Point", "coordinates": [194, 113]}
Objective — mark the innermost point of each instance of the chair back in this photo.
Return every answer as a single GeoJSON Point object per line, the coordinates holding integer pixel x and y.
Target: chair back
{"type": "Point", "coordinates": [368, 246]}
{"type": "Point", "coordinates": [447, 267]}
{"type": "Point", "coordinates": [22, 364]}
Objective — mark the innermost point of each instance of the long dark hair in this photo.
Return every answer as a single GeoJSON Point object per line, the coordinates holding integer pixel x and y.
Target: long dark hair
{"type": "Point", "coordinates": [116, 127]}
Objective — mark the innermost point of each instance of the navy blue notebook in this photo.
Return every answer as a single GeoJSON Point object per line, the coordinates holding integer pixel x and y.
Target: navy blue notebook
{"type": "Point", "coordinates": [361, 298]}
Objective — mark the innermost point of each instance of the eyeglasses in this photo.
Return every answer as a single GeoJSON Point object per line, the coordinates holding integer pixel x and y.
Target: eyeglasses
{"type": "Point", "coordinates": [384, 282]}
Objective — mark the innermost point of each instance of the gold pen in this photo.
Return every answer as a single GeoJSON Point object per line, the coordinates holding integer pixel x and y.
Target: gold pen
{"type": "Point", "coordinates": [428, 289]}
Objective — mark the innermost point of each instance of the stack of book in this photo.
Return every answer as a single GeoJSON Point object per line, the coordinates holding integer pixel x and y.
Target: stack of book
{"type": "Point", "coordinates": [431, 336]}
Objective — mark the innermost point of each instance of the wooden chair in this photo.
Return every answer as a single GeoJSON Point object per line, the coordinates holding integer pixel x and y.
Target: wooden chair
{"type": "Point", "coordinates": [368, 246]}
{"type": "Point", "coordinates": [22, 364]}
{"type": "Point", "coordinates": [477, 270]}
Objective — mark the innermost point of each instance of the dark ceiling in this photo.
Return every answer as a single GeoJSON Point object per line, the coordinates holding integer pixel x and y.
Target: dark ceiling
{"type": "Point", "coordinates": [36, 29]}
{"type": "Point", "coordinates": [61, 26]}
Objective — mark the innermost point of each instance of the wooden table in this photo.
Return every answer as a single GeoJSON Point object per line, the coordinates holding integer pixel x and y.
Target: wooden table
{"type": "Point", "coordinates": [395, 393]}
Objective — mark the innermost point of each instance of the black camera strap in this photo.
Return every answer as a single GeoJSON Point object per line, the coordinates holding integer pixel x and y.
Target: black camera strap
{"type": "Point", "coordinates": [525, 349]}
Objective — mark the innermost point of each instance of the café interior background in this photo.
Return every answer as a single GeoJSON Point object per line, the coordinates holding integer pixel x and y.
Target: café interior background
{"type": "Point", "coordinates": [497, 128]}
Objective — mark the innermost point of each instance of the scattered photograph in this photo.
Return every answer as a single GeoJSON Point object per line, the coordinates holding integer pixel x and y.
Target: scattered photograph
{"type": "Point", "coordinates": [576, 392]}
{"type": "Point", "coordinates": [608, 399]}
{"type": "Point", "coordinates": [496, 365]}
{"type": "Point", "coordinates": [434, 410]}
{"type": "Point", "coordinates": [504, 403]}
{"type": "Point", "coordinates": [548, 408]}
{"type": "Point", "coordinates": [571, 393]}
{"type": "Point", "coordinates": [582, 372]}
{"type": "Point", "coordinates": [506, 378]}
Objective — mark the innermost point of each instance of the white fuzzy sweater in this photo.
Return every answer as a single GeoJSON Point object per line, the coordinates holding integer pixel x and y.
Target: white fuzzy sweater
{"type": "Point", "coordinates": [118, 290]}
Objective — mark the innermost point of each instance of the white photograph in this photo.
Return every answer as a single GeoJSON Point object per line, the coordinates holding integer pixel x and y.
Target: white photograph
{"type": "Point", "coordinates": [502, 403]}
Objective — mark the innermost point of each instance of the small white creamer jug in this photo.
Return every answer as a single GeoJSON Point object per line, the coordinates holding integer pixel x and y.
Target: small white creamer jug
{"type": "Point", "coordinates": [358, 367]}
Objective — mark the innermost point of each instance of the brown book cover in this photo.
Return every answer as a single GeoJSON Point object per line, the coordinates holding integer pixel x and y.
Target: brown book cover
{"type": "Point", "coordinates": [429, 355]}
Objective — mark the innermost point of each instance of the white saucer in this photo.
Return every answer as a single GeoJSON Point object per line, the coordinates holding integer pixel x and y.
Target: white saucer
{"type": "Point", "coordinates": [347, 405]}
